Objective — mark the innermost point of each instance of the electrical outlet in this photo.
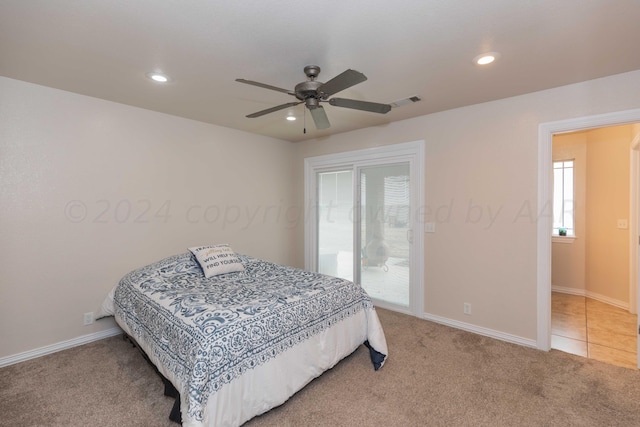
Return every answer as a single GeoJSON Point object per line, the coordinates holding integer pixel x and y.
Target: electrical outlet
{"type": "Point", "coordinates": [467, 308]}
{"type": "Point", "coordinates": [88, 318]}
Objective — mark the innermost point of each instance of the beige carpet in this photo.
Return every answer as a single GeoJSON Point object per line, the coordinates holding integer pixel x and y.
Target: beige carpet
{"type": "Point", "coordinates": [435, 376]}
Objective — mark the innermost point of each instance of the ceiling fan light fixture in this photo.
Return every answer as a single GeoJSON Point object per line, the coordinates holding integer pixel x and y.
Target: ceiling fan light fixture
{"type": "Point", "coordinates": [158, 77]}
{"type": "Point", "coordinates": [486, 58]}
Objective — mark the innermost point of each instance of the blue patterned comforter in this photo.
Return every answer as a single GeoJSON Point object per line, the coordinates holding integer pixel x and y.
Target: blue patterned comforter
{"type": "Point", "coordinates": [205, 333]}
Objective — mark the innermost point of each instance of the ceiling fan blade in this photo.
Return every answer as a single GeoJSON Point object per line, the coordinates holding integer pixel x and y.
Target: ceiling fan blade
{"type": "Point", "coordinates": [341, 82]}
{"type": "Point", "coordinates": [320, 118]}
{"type": "Point", "coordinates": [265, 86]}
{"type": "Point", "coordinates": [272, 109]}
{"type": "Point", "coordinates": [373, 107]}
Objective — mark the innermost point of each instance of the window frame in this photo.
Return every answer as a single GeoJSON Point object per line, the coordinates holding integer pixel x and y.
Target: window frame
{"type": "Point", "coordinates": [571, 230]}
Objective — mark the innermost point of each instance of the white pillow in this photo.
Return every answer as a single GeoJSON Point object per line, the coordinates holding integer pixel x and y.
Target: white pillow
{"type": "Point", "coordinates": [108, 307]}
{"type": "Point", "coordinates": [217, 259]}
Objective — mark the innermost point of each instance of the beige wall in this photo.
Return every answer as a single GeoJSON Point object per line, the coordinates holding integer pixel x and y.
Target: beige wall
{"type": "Point", "coordinates": [70, 168]}
{"type": "Point", "coordinates": [607, 247]}
{"type": "Point", "coordinates": [57, 147]}
{"type": "Point", "coordinates": [568, 255]}
{"type": "Point", "coordinates": [484, 155]}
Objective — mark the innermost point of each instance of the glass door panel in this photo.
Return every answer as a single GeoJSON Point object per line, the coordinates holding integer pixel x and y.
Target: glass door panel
{"type": "Point", "coordinates": [335, 223]}
{"type": "Point", "coordinates": [385, 232]}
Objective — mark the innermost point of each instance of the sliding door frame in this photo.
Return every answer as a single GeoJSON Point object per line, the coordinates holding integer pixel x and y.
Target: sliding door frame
{"type": "Point", "coordinates": [411, 152]}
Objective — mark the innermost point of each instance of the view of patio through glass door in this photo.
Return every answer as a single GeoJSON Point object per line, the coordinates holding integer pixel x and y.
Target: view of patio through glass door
{"type": "Point", "coordinates": [378, 222]}
{"type": "Point", "coordinates": [385, 232]}
{"type": "Point", "coordinates": [336, 223]}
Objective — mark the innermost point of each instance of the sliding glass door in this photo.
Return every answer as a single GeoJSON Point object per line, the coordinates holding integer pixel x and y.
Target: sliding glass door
{"type": "Point", "coordinates": [362, 221]}
{"type": "Point", "coordinates": [364, 228]}
{"type": "Point", "coordinates": [335, 223]}
{"type": "Point", "coordinates": [385, 232]}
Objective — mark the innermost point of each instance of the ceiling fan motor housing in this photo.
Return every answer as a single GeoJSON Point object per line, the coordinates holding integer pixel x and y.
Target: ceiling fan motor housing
{"type": "Point", "coordinates": [308, 90]}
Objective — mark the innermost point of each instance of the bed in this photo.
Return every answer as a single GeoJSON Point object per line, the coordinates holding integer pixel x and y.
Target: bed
{"type": "Point", "coordinates": [247, 337]}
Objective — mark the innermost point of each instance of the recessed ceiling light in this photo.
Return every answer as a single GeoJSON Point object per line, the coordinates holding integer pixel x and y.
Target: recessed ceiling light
{"type": "Point", "coordinates": [486, 58]}
{"type": "Point", "coordinates": [291, 118]}
{"type": "Point", "coordinates": [158, 77]}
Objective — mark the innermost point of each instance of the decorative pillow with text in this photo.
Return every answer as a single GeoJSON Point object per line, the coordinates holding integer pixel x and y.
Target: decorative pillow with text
{"type": "Point", "coordinates": [217, 259]}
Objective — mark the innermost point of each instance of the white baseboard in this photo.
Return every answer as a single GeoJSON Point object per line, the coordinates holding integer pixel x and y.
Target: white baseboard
{"type": "Point", "coordinates": [593, 295]}
{"type": "Point", "coordinates": [481, 331]}
{"type": "Point", "coordinates": [43, 351]}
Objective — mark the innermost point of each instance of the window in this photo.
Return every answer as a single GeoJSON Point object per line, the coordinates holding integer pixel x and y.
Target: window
{"type": "Point", "coordinates": [563, 205]}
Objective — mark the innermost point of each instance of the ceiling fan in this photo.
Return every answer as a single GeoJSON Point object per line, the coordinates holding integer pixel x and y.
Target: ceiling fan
{"type": "Point", "coordinates": [313, 92]}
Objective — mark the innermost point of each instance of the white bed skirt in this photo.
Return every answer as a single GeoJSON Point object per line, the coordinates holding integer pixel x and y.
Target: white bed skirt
{"type": "Point", "coordinates": [270, 384]}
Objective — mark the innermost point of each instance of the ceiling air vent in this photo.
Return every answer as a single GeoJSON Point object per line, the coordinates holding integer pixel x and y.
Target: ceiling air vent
{"type": "Point", "coordinates": [405, 101]}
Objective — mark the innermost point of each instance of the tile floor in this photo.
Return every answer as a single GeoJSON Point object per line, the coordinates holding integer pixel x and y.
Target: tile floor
{"type": "Point", "coordinates": [593, 329]}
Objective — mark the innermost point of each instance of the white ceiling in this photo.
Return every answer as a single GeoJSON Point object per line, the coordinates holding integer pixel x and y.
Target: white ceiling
{"type": "Point", "coordinates": [405, 47]}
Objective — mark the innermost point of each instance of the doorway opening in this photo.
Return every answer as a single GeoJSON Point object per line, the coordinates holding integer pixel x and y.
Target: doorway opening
{"type": "Point", "coordinates": [591, 259]}
{"type": "Point", "coordinates": [545, 220]}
